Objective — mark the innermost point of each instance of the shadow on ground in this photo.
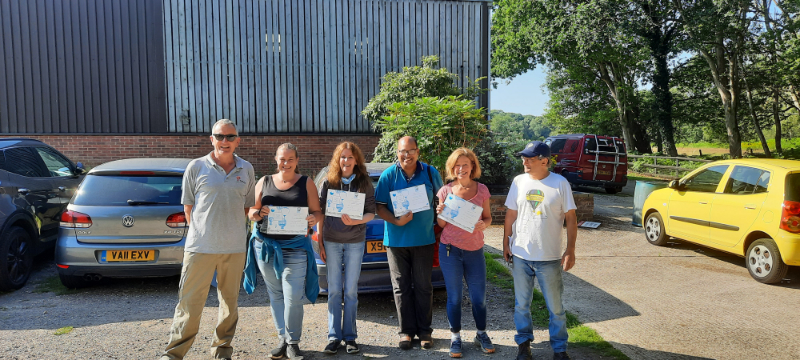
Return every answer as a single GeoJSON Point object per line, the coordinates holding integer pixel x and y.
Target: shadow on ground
{"type": "Point", "coordinates": [635, 352]}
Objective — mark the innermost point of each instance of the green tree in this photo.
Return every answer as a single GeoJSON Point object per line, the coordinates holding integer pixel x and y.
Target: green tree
{"type": "Point", "coordinates": [579, 107]}
{"type": "Point", "coordinates": [659, 23]}
{"type": "Point", "coordinates": [583, 39]}
{"type": "Point", "coordinates": [415, 82]}
{"type": "Point", "coordinates": [741, 51]}
{"type": "Point", "coordinates": [409, 86]}
{"type": "Point", "coordinates": [440, 126]}
{"type": "Point", "coordinates": [517, 129]}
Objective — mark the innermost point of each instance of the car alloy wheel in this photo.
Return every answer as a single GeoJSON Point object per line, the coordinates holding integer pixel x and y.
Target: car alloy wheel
{"type": "Point", "coordinates": [652, 228]}
{"type": "Point", "coordinates": [764, 262]}
{"type": "Point", "coordinates": [17, 259]}
{"type": "Point", "coordinates": [760, 260]}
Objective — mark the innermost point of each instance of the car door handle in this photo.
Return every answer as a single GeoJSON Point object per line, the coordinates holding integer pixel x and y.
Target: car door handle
{"type": "Point", "coordinates": [750, 207]}
{"type": "Point", "coordinates": [703, 203]}
{"type": "Point", "coordinates": [62, 188]}
{"type": "Point", "coordinates": [23, 191]}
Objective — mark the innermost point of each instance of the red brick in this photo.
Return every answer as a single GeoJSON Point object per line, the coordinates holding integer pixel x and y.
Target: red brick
{"type": "Point", "coordinates": [315, 150]}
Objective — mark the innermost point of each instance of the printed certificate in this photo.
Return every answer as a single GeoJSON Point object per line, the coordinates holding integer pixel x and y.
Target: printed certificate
{"type": "Point", "coordinates": [461, 213]}
{"type": "Point", "coordinates": [286, 220]}
{"type": "Point", "coordinates": [345, 202]}
{"type": "Point", "coordinates": [413, 199]}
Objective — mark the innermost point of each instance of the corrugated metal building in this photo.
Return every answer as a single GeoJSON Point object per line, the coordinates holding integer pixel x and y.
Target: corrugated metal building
{"type": "Point", "coordinates": [283, 70]}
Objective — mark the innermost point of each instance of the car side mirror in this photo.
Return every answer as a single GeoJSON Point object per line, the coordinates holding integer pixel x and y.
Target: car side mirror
{"type": "Point", "coordinates": [79, 169]}
{"type": "Point", "coordinates": [675, 184]}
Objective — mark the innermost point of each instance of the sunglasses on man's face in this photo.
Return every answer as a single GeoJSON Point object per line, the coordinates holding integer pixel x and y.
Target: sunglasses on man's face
{"type": "Point", "coordinates": [230, 137]}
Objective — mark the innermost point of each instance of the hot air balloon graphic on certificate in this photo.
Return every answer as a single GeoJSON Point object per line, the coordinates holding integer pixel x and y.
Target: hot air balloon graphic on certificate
{"type": "Point", "coordinates": [461, 213]}
{"type": "Point", "coordinates": [413, 199]}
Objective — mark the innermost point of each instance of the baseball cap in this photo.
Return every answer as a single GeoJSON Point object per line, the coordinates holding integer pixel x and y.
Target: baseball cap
{"type": "Point", "coordinates": [534, 149]}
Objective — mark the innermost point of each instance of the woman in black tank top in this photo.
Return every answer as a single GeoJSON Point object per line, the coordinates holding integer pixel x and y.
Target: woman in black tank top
{"type": "Point", "coordinates": [297, 278]}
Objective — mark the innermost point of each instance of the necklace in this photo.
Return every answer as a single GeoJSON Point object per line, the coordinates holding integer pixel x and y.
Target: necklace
{"type": "Point", "coordinates": [286, 181]}
{"type": "Point", "coordinates": [466, 187]}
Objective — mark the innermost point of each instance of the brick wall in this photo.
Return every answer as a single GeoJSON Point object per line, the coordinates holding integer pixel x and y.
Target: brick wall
{"type": "Point", "coordinates": [584, 202]}
{"type": "Point", "coordinates": [497, 204]}
{"type": "Point", "coordinates": [93, 150]}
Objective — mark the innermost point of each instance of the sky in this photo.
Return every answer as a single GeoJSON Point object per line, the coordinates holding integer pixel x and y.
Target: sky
{"type": "Point", "coordinates": [523, 95]}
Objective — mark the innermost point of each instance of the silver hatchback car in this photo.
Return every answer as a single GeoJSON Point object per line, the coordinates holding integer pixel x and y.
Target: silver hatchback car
{"type": "Point", "coordinates": [125, 220]}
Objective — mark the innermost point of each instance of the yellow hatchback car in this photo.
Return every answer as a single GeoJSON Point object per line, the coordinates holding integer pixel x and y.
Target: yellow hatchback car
{"type": "Point", "coordinates": [748, 207]}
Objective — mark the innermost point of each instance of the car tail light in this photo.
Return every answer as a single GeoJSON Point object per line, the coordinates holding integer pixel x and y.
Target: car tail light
{"type": "Point", "coordinates": [176, 220]}
{"type": "Point", "coordinates": [790, 217]}
{"type": "Point", "coordinates": [63, 266]}
{"type": "Point", "coordinates": [74, 219]}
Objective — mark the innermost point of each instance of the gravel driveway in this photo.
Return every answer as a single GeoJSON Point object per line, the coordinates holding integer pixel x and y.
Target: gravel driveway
{"type": "Point", "coordinates": [674, 302]}
{"type": "Point", "coordinates": [130, 319]}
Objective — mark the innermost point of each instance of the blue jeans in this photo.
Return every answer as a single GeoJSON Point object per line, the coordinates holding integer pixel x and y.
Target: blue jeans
{"type": "Point", "coordinates": [471, 266]}
{"type": "Point", "coordinates": [549, 274]}
{"type": "Point", "coordinates": [286, 294]}
{"type": "Point", "coordinates": [349, 255]}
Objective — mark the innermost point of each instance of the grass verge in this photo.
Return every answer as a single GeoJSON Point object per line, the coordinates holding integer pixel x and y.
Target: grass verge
{"type": "Point", "coordinates": [579, 335]}
{"type": "Point", "coordinates": [53, 284]}
{"type": "Point", "coordinates": [63, 330]}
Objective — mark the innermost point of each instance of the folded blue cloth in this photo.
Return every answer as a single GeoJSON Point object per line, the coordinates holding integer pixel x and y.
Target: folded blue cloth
{"type": "Point", "coordinates": [273, 248]}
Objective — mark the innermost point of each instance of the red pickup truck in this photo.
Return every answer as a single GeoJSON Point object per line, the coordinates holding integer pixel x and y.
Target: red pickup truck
{"type": "Point", "coordinates": [590, 160]}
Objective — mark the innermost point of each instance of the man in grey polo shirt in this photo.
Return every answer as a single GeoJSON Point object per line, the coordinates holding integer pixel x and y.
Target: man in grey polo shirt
{"type": "Point", "coordinates": [216, 188]}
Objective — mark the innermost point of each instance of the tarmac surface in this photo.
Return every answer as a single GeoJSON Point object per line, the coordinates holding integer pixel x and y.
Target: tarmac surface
{"type": "Point", "coordinates": [680, 301]}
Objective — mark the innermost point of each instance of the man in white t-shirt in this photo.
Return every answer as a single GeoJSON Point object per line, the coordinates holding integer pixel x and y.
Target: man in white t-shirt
{"type": "Point", "coordinates": [538, 203]}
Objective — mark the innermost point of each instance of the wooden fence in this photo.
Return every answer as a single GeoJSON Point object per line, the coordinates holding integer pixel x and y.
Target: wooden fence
{"type": "Point", "coordinates": [675, 169]}
{"type": "Point", "coordinates": [310, 66]}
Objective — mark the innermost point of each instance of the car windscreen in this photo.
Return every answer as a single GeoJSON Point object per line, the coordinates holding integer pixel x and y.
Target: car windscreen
{"type": "Point", "coordinates": [792, 187]}
{"type": "Point", "coordinates": [115, 190]}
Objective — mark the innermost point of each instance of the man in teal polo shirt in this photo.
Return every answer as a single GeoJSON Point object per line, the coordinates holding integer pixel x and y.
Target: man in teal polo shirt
{"type": "Point", "coordinates": [410, 242]}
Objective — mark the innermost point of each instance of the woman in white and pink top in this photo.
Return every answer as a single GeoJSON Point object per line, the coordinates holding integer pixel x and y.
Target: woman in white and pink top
{"type": "Point", "coordinates": [461, 251]}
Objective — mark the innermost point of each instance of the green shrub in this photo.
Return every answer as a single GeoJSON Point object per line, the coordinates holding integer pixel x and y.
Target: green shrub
{"type": "Point", "coordinates": [440, 126]}
{"type": "Point", "coordinates": [498, 163]}
{"type": "Point", "coordinates": [415, 82]}
{"type": "Point", "coordinates": [407, 87]}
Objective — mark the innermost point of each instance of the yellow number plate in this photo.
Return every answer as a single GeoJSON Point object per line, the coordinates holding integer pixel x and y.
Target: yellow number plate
{"type": "Point", "coordinates": [375, 247]}
{"type": "Point", "coordinates": [603, 172]}
{"type": "Point", "coordinates": [127, 255]}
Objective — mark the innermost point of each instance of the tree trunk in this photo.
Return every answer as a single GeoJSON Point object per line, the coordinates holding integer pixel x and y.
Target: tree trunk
{"type": "Point", "coordinates": [626, 135]}
{"type": "Point", "coordinates": [661, 91]}
{"type": "Point", "coordinates": [753, 115]}
{"type": "Point", "coordinates": [641, 139]}
{"type": "Point", "coordinates": [659, 143]}
{"type": "Point", "coordinates": [795, 97]}
{"type": "Point", "coordinates": [732, 125]}
{"type": "Point", "coordinates": [726, 84]}
{"type": "Point", "coordinates": [623, 119]}
{"type": "Point", "coordinates": [777, 118]}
